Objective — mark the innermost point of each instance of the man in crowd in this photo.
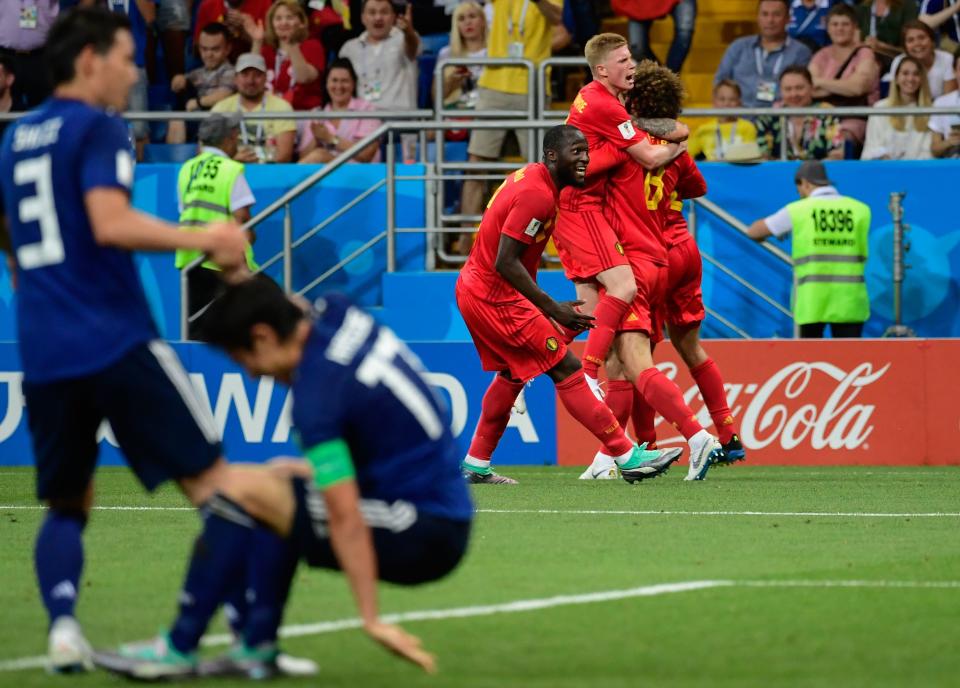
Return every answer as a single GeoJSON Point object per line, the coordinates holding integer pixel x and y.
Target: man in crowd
{"type": "Point", "coordinates": [756, 62]}
{"type": "Point", "coordinates": [267, 140]}
{"type": "Point", "coordinates": [207, 85]}
{"type": "Point", "coordinates": [829, 254]}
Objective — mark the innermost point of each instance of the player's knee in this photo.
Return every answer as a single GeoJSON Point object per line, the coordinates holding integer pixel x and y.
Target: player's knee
{"type": "Point", "coordinates": [567, 366]}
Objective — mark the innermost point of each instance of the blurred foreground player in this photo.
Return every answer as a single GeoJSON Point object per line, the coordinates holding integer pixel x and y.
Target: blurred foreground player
{"type": "Point", "coordinates": [513, 322]}
{"type": "Point", "coordinates": [89, 347]}
{"type": "Point", "coordinates": [388, 504]}
{"type": "Point", "coordinates": [658, 92]}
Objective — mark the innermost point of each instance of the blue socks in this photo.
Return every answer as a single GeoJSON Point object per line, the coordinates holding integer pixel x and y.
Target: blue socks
{"type": "Point", "coordinates": [216, 567]}
{"type": "Point", "coordinates": [270, 568]}
{"type": "Point", "coordinates": [58, 558]}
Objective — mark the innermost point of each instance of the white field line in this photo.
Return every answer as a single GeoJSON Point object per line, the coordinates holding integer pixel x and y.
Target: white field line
{"type": "Point", "coordinates": [589, 512]}
{"type": "Point", "coordinates": [323, 627]}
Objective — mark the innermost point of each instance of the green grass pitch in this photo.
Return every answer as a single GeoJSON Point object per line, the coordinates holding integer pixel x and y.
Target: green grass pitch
{"type": "Point", "coordinates": [851, 601]}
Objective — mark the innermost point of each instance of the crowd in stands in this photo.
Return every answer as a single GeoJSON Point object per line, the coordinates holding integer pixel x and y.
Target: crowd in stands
{"type": "Point", "coordinates": [367, 55]}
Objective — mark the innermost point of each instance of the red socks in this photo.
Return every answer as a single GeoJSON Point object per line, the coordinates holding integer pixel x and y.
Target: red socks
{"type": "Point", "coordinates": [607, 318]}
{"type": "Point", "coordinates": [592, 414]}
{"type": "Point", "coordinates": [708, 379]}
{"type": "Point", "coordinates": [619, 399]}
{"type": "Point", "coordinates": [643, 419]}
{"type": "Point", "coordinates": [667, 400]}
{"type": "Point", "coordinates": [494, 416]}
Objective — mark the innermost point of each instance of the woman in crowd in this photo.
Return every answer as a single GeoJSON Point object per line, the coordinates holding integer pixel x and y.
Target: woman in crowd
{"type": "Point", "coordinates": [807, 138]}
{"type": "Point", "coordinates": [294, 60]}
{"type": "Point", "coordinates": [845, 73]}
{"type": "Point", "coordinates": [323, 140]}
{"type": "Point", "coordinates": [901, 138]}
{"type": "Point", "coordinates": [919, 42]}
{"type": "Point", "coordinates": [468, 38]}
{"type": "Point", "coordinates": [881, 25]}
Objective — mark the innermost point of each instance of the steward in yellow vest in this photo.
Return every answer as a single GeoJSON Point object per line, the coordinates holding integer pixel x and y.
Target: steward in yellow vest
{"type": "Point", "coordinates": [211, 187]}
{"type": "Point", "coordinates": [830, 240]}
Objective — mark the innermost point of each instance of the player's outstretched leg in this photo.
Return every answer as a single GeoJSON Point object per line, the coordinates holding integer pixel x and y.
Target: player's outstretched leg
{"type": "Point", "coordinates": [494, 416]}
{"type": "Point", "coordinates": [58, 559]}
{"type": "Point", "coordinates": [621, 288]}
{"type": "Point", "coordinates": [706, 373]}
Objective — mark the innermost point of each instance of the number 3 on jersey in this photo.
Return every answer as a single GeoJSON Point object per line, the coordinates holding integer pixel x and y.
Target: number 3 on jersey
{"type": "Point", "coordinates": [40, 208]}
{"type": "Point", "coordinates": [653, 188]}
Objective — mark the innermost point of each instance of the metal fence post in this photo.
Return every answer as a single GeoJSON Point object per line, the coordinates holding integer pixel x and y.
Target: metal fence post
{"type": "Point", "coordinates": [391, 204]}
{"type": "Point", "coordinates": [287, 249]}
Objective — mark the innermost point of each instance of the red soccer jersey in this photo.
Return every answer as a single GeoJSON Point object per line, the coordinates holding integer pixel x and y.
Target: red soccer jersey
{"type": "Point", "coordinates": [631, 207]}
{"type": "Point", "coordinates": [681, 180]}
{"type": "Point", "coordinates": [300, 96]}
{"type": "Point", "coordinates": [603, 120]}
{"type": "Point", "coordinates": [216, 11]}
{"type": "Point", "coordinates": [524, 208]}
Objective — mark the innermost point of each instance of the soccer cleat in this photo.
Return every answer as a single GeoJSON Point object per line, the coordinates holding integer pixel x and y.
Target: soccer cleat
{"type": "Point", "coordinates": [67, 650]}
{"type": "Point", "coordinates": [651, 468]}
{"type": "Point", "coordinates": [257, 664]}
{"type": "Point", "coordinates": [602, 468]}
{"type": "Point", "coordinates": [594, 385]}
{"type": "Point", "coordinates": [486, 478]}
{"type": "Point", "coordinates": [733, 451]}
{"type": "Point", "coordinates": [702, 455]}
{"type": "Point", "coordinates": [154, 660]}
{"type": "Point", "coordinates": [296, 666]}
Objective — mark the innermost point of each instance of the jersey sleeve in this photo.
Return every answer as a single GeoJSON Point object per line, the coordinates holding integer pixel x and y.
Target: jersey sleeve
{"type": "Point", "coordinates": [530, 211]}
{"type": "Point", "coordinates": [691, 183]}
{"type": "Point", "coordinates": [106, 161]}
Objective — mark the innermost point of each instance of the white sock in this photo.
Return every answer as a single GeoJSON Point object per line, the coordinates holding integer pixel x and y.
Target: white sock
{"type": "Point", "coordinates": [479, 464]}
{"type": "Point", "coordinates": [606, 458]}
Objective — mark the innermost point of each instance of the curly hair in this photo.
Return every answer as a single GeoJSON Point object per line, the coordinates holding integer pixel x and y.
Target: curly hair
{"type": "Point", "coordinates": [656, 92]}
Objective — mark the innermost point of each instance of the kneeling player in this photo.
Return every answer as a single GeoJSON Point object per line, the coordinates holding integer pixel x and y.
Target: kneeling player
{"type": "Point", "coordinates": [384, 499]}
{"type": "Point", "coordinates": [514, 323]}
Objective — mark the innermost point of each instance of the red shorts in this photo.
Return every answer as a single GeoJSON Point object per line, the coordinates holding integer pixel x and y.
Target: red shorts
{"type": "Point", "coordinates": [651, 286]}
{"type": "Point", "coordinates": [683, 304]}
{"type": "Point", "coordinates": [586, 244]}
{"type": "Point", "coordinates": [514, 337]}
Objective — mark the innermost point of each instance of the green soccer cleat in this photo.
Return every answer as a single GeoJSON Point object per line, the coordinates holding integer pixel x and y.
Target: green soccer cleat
{"type": "Point", "coordinates": [651, 468]}
{"type": "Point", "coordinates": [154, 660]}
{"type": "Point", "coordinates": [639, 455]}
{"type": "Point", "coordinates": [255, 663]}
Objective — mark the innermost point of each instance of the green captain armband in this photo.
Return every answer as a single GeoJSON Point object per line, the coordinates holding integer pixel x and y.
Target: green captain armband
{"type": "Point", "coordinates": [331, 463]}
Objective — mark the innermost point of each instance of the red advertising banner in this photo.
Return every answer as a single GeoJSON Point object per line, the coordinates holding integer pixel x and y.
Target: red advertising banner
{"type": "Point", "coordinates": [823, 402]}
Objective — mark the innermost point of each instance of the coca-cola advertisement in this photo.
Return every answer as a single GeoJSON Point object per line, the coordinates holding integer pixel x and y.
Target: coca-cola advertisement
{"type": "Point", "coordinates": [823, 402]}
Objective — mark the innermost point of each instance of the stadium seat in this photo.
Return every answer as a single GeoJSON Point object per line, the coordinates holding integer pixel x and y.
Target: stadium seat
{"type": "Point", "coordinates": [169, 152]}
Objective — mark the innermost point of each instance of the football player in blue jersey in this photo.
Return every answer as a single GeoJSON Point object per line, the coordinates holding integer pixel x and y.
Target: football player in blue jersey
{"type": "Point", "coordinates": [387, 504]}
{"type": "Point", "coordinates": [88, 345]}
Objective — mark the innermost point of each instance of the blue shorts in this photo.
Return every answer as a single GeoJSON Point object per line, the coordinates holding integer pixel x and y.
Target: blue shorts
{"type": "Point", "coordinates": [165, 431]}
{"type": "Point", "coordinates": [412, 547]}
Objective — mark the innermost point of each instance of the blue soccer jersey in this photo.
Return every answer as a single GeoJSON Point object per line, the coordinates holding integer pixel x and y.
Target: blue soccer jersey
{"type": "Point", "coordinates": [358, 382]}
{"type": "Point", "coordinates": [80, 306]}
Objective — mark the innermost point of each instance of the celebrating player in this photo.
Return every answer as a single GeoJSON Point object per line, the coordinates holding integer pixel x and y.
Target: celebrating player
{"type": "Point", "coordinates": [512, 321]}
{"type": "Point", "coordinates": [592, 254]}
{"type": "Point", "coordinates": [657, 92]}
{"type": "Point", "coordinates": [389, 504]}
{"type": "Point", "coordinates": [88, 344]}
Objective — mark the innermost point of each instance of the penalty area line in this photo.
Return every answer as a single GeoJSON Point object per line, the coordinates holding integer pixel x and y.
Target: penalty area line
{"type": "Point", "coordinates": [516, 606]}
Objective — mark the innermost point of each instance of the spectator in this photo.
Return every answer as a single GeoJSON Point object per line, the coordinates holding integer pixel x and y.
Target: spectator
{"type": "Point", "coordinates": [172, 28]}
{"type": "Point", "coordinates": [725, 138]}
{"type": "Point", "coordinates": [520, 28]}
{"type": "Point", "coordinates": [945, 16]}
{"type": "Point", "coordinates": [325, 22]}
{"type": "Point", "coordinates": [468, 38]}
{"type": "Point", "coordinates": [204, 87]}
{"type": "Point", "coordinates": [268, 140]}
{"type": "Point", "coordinates": [919, 42]}
{"type": "Point", "coordinates": [325, 139]}
{"type": "Point", "coordinates": [845, 73]}
{"type": "Point", "coordinates": [141, 14]}
{"type": "Point", "coordinates": [946, 128]}
{"type": "Point", "coordinates": [297, 59]}
{"type": "Point", "coordinates": [808, 22]}
{"type": "Point", "coordinates": [807, 138]}
{"type": "Point", "coordinates": [756, 62]}
{"type": "Point", "coordinates": [23, 30]}
{"type": "Point", "coordinates": [881, 26]}
{"type": "Point", "coordinates": [642, 14]}
{"type": "Point", "coordinates": [232, 13]}
{"type": "Point", "coordinates": [223, 195]}
{"type": "Point", "coordinates": [898, 137]}
{"type": "Point", "coordinates": [7, 80]}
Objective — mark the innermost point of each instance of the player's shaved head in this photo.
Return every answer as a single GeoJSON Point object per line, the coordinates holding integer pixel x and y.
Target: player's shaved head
{"type": "Point", "coordinates": [74, 31]}
{"type": "Point", "coordinates": [560, 137]}
{"type": "Point", "coordinates": [657, 92]}
{"type": "Point", "coordinates": [566, 154]}
{"type": "Point", "coordinates": [228, 322]}
{"type": "Point", "coordinates": [600, 46]}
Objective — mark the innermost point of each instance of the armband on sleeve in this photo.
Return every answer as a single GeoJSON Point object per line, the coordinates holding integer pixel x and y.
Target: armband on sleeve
{"type": "Point", "coordinates": [331, 463]}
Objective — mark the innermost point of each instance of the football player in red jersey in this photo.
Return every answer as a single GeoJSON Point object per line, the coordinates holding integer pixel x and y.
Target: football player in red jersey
{"type": "Point", "coordinates": [658, 92]}
{"type": "Point", "coordinates": [592, 254]}
{"type": "Point", "coordinates": [513, 322]}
